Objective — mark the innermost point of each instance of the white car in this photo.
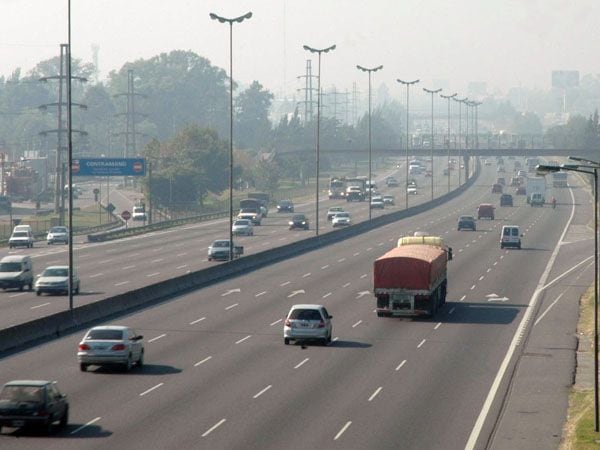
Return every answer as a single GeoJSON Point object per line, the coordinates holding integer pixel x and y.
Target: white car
{"type": "Point", "coordinates": [341, 219]}
{"type": "Point", "coordinates": [411, 190]}
{"type": "Point", "coordinates": [331, 212]}
{"type": "Point", "coordinates": [377, 203]}
{"type": "Point", "coordinates": [307, 322]}
{"type": "Point", "coordinates": [389, 200]}
{"type": "Point", "coordinates": [111, 345]}
{"type": "Point", "coordinates": [139, 213]}
{"type": "Point", "coordinates": [55, 280]}
{"type": "Point", "coordinates": [21, 238]}
{"type": "Point", "coordinates": [57, 234]}
{"type": "Point", "coordinates": [242, 227]}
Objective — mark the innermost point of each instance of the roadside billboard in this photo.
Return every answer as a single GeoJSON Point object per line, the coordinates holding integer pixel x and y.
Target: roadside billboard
{"type": "Point", "coordinates": [109, 167]}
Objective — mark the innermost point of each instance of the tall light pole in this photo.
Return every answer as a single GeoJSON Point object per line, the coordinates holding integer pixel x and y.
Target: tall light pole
{"type": "Point", "coordinates": [476, 123]}
{"type": "Point", "coordinates": [239, 19]}
{"type": "Point", "coordinates": [592, 167]}
{"type": "Point", "coordinates": [449, 97]}
{"type": "Point", "coordinates": [432, 92]}
{"type": "Point", "coordinates": [70, 155]}
{"type": "Point", "coordinates": [317, 152]}
{"type": "Point", "coordinates": [369, 71]}
{"type": "Point", "coordinates": [460, 103]}
{"type": "Point", "coordinates": [407, 84]}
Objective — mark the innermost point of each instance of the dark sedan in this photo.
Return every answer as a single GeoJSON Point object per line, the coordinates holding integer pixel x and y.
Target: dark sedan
{"type": "Point", "coordinates": [285, 206]}
{"type": "Point", "coordinates": [299, 221]}
{"type": "Point", "coordinates": [466, 223]}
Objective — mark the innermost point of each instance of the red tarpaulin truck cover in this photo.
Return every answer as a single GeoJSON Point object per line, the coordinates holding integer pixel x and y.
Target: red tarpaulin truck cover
{"type": "Point", "coordinates": [411, 267]}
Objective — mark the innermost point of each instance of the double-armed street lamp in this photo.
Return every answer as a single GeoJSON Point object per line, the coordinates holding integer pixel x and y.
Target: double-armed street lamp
{"type": "Point", "coordinates": [408, 85]}
{"type": "Point", "coordinates": [239, 19]}
{"type": "Point", "coordinates": [590, 168]}
{"type": "Point", "coordinates": [317, 152]}
{"type": "Point", "coordinates": [369, 71]}
{"type": "Point", "coordinates": [449, 97]}
{"type": "Point", "coordinates": [432, 92]}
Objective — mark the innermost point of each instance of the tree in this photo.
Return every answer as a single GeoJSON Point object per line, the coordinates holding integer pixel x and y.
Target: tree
{"type": "Point", "coordinates": [253, 127]}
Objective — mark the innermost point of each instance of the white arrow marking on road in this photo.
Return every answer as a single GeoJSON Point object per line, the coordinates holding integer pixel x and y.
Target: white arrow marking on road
{"type": "Point", "coordinates": [362, 294]}
{"type": "Point", "coordinates": [294, 293]}
{"type": "Point", "coordinates": [230, 291]}
{"type": "Point", "coordinates": [498, 299]}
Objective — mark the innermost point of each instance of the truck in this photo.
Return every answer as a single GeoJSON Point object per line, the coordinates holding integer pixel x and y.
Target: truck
{"type": "Point", "coordinates": [559, 180]}
{"type": "Point", "coordinates": [410, 281]}
{"type": "Point", "coordinates": [251, 209]}
{"type": "Point", "coordinates": [264, 199]}
{"type": "Point", "coordinates": [436, 241]}
{"type": "Point", "coordinates": [536, 185]}
{"type": "Point", "coordinates": [337, 188]}
{"type": "Point", "coordinates": [356, 189]}
{"type": "Point", "coordinates": [532, 163]}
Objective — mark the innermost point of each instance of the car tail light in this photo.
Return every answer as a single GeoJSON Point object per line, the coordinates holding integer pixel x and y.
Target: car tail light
{"type": "Point", "coordinates": [84, 347]}
{"type": "Point", "coordinates": [321, 324]}
{"type": "Point", "coordinates": [118, 347]}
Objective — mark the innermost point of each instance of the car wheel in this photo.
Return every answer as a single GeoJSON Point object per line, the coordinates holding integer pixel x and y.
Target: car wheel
{"type": "Point", "coordinates": [82, 367]}
{"type": "Point", "coordinates": [64, 420]}
{"type": "Point", "coordinates": [48, 425]}
{"type": "Point", "coordinates": [77, 289]}
{"type": "Point", "coordinates": [21, 287]}
{"type": "Point", "coordinates": [140, 362]}
{"type": "Point", "coordinates": [286, 341]}
{"type": "Point", "coordinates": [38, 293]}
{"type": "Point", "coordinates": [329, 338]}
{"type": "Point", "coordinates": [324, 342]}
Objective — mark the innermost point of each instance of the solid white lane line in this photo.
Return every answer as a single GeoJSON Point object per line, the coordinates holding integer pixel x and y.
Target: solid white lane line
{"type": "Point", "coordinates": [377, 391]}
{"type": "Point", "coordinates": [276, 322]}
{"type": "Point", "coordinates": [203, 361]}
{"type": "Point", "coordinates": [325, 266]}
{"type": "Point", "coordinates": [243, 339]}
{"type": "Point", "coordinates": [127, 267]}
{"type": "Point", "coordinates": [197, 320]}
{"type": "Point", "coordinates": [157, 338]}
{"type": "Point", "coordinates": [231, 306]}
{"type": "Point", "coordinates": [77, 430]}
{"type": "Point", "coordinates": [548, 309]}
{"type": "Point", "coordinates": [421, 344]}
{"type": "Point", "coordinates": [153, 274]}
{"type": "Point", "coordinates": [183, 266]}
{"type": "Point", "coordinates": [344, 428]}
{"type": "Point", "coordinates": [346, 285]}
{"type": "Point", "coordinates": [96, 275]}
{"type": "Point", "coordinates": [400, 365]}
{"type": "Point", "coordinates": [451, 311]}
{"type": "Point", "coordinates": [121, 283]}
{"type": "Point", "coordinates": [39, 306]}
{"type": "Point", "coordinates": [261, 293]}
{"type": "Point", "coordinates": [214, 427]}
{"type": "Point", "coordinates": [151, 389]}
{"type": "Point", "coordinates": [437, 326]}
{"type": "Point", "coordinates": [306, 275]}
{"type": "Point", "coordinates": [301, 363]}
{"type": "Point", "coordinates": [327, 295]}
{"type": "Point", "coordinates": [357, 324]}
{"type": "Point", "coordinates": [258, 394]}
{"type": "Point", "coordinates": [285, 283]}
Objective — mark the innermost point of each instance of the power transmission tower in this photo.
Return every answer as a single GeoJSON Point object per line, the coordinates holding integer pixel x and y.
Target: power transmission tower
{"type": "Point", "coordinates": [59, 177]}
{"type": "Point", "coordinates": [308, 92]}
{"type": "Point", "coordinates": [130, 116]}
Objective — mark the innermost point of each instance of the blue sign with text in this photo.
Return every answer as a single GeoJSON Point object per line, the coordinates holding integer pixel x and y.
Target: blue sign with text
{"type": "Point", "coordinates": [109, 167]}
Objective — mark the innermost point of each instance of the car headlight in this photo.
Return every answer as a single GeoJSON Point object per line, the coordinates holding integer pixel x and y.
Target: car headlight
{"type": "Point", "coordinates": [290, 223]}
{"type": "Point", "coordinates": [303, 223]}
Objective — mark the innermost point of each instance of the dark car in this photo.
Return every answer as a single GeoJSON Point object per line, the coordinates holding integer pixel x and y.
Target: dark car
{"type": "Point", "coordinates": [299, 221]}
{"type": "Point", "coordinates": [506, 200]}
{"type": "Point", "coordinates": [485, 211]}
{"type": "Point", "coordinates": [466, 223]}
{"type": "Point", "coordinates": [32, 402]}
{"type": "Point", "coordinates": [497, 188]}
{"type": "Point", "coordinates": [285, 206]}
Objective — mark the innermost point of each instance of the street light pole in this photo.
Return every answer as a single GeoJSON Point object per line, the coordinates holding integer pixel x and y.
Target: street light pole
{"type": "Point", "coordinates": [407, 84]}
{"type": "Point", "coordinates": [70, 157]}
{"type": "Point", "coordinates": [317, 151]}
{"type": "Point", "coordinates": [432, 92]}
{"type": "Point", "coordinates": [460, 103]}
{"type": "Point", "coordinates": [369, 71]}
{"type": "Point", "coordinates": [239, 19]}
{"type": "Point", "coordinates": [449, 97]}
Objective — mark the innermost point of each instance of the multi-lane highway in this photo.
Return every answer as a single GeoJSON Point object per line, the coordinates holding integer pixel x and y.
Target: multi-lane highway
{"type": "Point", "coordinates": [109, 268]}
{"type": "Point", "coordinates": [491, 369]}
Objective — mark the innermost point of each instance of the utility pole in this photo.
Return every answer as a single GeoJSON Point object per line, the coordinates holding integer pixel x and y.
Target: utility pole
{"type": "Point", "coordinates": [308, 92]}
{"type": "Point", "coordinates": [60, 129]}
{"type": "Point", "coordinates": [130, 117]}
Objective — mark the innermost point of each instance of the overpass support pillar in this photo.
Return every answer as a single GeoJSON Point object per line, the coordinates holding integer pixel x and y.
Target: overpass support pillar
{"type": "Point", "coordinates": [466, 160]}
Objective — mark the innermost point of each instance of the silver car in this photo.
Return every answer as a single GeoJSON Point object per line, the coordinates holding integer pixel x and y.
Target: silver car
{"type": "Point", "coordinates": [111, 345]}
{"type": "Point", "coordinates": [307, 322]}
{"type": "Point", "coordinates": [341, 219]}
{"type": "Point", "coordinates": [55, 280]}
{"type": "Point", "coordinates": [242, 227]}
{"type": "Point", "coordinates": [57, 234]}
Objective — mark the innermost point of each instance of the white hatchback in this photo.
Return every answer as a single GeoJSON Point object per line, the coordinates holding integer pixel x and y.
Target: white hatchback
{"type": "Point", "coordinates": [307, 323]}
{"type": "Point", "coordinates": [510, 236]}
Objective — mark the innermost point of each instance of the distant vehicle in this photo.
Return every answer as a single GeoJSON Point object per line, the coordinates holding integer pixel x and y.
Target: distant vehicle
{"type": "Point", "coordinates": [515, 181]}
{"type": "Point", "coordinates": [21, 238]}
{"type": "Point", "coordinates": [138, 213]}
{"type": "Point", "coordinates": [414, 169]}
{"type": "Point", "coordinates": [263, 199]}
{"type": "Point", "coordinates": [410, 280]}
{"type": "Point", "coordinates": [537, 199]}
{"type": "Point", "coordinates": [496, 188]}
{"type": "Point", "coordinates": [285, 206]}
{"type": "Point", "coordinates": [57, 234]}
{"type": "Point", "coordinates": [308, 323]}
{"type": "Point", "coordinates": [520, 190]}
{"type": "Point", "coordinates": [510, 236]}
{"type": "Point", "coordinates": [485, 211]}
{"type": "Point", "coordinates": [354, 194]}
{"type": "Point", "coordinates": [506, 200]}
{"type": "Point", "coordinates": [436, 241]}
{"type": "Point", "coordinates": [33, 403]}
{"type": "Point", "coordinates": [252, 214]}
{"type": "Point", "coordinates": [532, 163]}
{"type": "Point", "coordinates": [331, 212]}
{"type": "Point", "coordinates": [536, 185]}
{"type": "Point", "coordinates": [219, 250]}
{"type": "Point", "coordinates": [341, 219]}
{"type": "Point", "coordinates": [411, 190]}
{"type": "Point", "coordinates": [16, 271]}
{"type": "Point", "coordinates": [377, 203]}
{"type": "Point", "coordinates": [389, 200]}
{"type": "Point", "coordinates": [242, 227]}
{"type": "Point", "coordinates": [337, 188]}
{"type": "Point", "coordinates": [501, 180]}
{"type": "Point", "coordinates": [466, 223]}
{"type": "Point", "coordinates": [391, 182]}
{"type": "Point", "coordinates": [487, 162]}
{"type": "Point", "coordinates": [559, 180]}
{"type": "Point", "coordinates": [55, 280]}
{"type": "Point", "coordinates": [299, 221]}
{"type": "Point", "coordinates": [111, 345]}
{"type": "Point", "coordinates": [522, 173]}
{"type": "Point", "coordinates": [500, 169]}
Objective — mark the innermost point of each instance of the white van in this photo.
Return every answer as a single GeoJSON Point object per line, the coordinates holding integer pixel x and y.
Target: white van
{"type": "Point", "coordinates": [510, 236]}
{"type": "Point", "coordinates": [22, 236]}
{"type": "Point", "coordinates": [16, 271]}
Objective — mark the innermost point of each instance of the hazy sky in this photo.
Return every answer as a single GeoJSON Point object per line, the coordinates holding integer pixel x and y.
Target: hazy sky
{"type": "Point", "coordinates": [500, 42]}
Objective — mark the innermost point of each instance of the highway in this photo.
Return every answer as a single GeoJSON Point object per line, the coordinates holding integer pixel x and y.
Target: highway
{"type": "Point", "coordinates": [113, 267]}
{"type": "Point", "coordinates": [218, 375]}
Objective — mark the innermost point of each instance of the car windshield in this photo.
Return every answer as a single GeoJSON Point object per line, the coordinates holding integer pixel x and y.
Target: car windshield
{"type": "Point", "coordinates": [467, 218]}
{"type": "Point", "coordinates": [22, 394]}
{"type": "Point", "coordinates": [55, 272]}
{"type": "Point", "coordinates": [10, 267]}
{"type": "Point", "coordinates": [241, 222]}
{"type": "Point", "coordinates": [305, 314]}
{"type": "Point", "coordinates": [57, 230]}
{"type": "Point", "coordinates": [342, 215]}
{"type": "Point", "coordinates": [105, 335]}
{"type": "Point", "coordinates": [221, 244]}
{"type": "Point", "coordinates": [336, 208]}
{"type": "Point", "coordinates": [298, 218]}
{"type": "Point", "coordinates": [20, 234]}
